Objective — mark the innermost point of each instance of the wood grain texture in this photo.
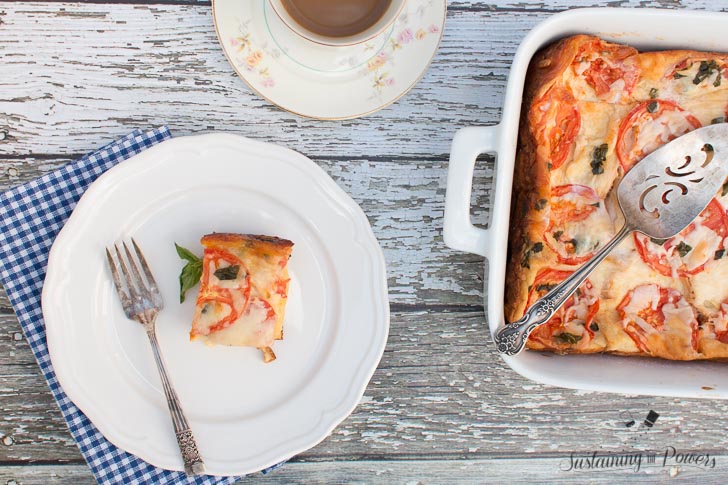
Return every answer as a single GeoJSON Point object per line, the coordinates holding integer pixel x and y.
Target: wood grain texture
{"type": "Point", "coordinates": [497, 470]}
{"type": "Point", "coordinates": [439, 391]}
{"type": "Point", "coordinates": [93, 77]}
{"type": "Point", "coordinates": [407, 222]}
{"type": "Point", "coordinates": [441, 407]}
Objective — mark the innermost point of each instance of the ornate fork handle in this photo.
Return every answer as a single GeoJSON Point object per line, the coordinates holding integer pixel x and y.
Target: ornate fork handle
{"type": "Point", "coordinates": [186, 442]}
{"type": "Point", "coordinates": [511, 339]}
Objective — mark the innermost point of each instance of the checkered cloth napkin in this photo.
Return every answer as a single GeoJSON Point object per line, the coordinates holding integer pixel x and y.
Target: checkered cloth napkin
{"type": "Point", "coordinates": [31, 216]}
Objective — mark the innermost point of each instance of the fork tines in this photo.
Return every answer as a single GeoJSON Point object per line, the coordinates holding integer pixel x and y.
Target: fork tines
{"type": "Point", "coordinates": [134, 286]}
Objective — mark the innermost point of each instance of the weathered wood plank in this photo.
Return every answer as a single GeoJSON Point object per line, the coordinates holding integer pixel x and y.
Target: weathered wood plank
{"type": "Point", "coordinates": [46, 474]}
{"type": "Point", "coordinates": [543, 6]}
{"type": "Point", "coordinates": [404, 200]}
{"type": "Point", "coordinates": [440, 391]}
{"type": "Point", "coordinates": [94, 77]}
{"type": "Point", "coordinates": [78, 75]}
{"type": "Point", "coordinates": [98, 72]}
{"type": "Point", "coordinates": [496, 470]}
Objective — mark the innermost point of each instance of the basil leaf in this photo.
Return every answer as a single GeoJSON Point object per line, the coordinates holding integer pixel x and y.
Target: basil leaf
{"type": "Point", "coordinates": [719, 254]}
{"type": "Point", "coordinates": [598, 157]}
{"type": "Point", "coordinates": [186, 254]}
{"type": "Point", "coordinates": [652, 107]}
{"type": "Point", "coordinates": [524, 259]}
{"type": "Point", "coordinates": [227, 273]}
{"type": "Point", "coordinates": [540, 204]}
{"type": "Point", "coordinates": [189, 277]}
{"type": "Point", "coordinates": [191, 273]}
{"type": "Point", "coordinates": [536, 248]}
{"type": "Point", "coordinates": [706, 69]}
{"type": "Point", "coordinates": [568, 338]}
{"type": "Point", "coordinates": [683, 248]}
{"type": "Point", "coordinates": [653, 93]}
{"type": "Point", "coordinates": [545, 287]}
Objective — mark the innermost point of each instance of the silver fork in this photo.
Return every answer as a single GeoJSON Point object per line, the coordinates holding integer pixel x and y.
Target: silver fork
{"type": "Point", "coordinates": [142, 301]}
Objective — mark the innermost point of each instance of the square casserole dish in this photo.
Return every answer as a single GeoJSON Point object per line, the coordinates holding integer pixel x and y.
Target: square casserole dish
{"type": "Point", "coordinates": [644, 29]}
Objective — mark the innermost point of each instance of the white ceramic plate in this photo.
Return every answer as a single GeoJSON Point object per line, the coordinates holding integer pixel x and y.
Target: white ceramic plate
{"type": "Point", "coordinates": [328, 82]}
{"type": "Point", "coordinates": [246, 415]}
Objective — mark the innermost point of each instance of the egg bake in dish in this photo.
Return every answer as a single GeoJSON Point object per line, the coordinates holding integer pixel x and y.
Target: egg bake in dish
{"type": "Point", "coordinates": [593, 109]}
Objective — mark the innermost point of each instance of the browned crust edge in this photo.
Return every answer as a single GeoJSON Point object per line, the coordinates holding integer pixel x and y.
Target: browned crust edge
{"type": "Point", "coordinates": [226, 238]}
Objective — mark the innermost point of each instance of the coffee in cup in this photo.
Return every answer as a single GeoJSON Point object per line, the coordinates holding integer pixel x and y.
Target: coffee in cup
{"type": "Point", "coordinates": [337, 22]}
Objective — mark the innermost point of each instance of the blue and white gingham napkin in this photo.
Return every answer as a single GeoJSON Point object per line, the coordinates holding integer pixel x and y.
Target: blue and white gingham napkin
{"type": "Point", "coordinates": [31, 216]}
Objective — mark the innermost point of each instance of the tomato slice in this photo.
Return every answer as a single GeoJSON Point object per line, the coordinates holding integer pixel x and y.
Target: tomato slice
{"type": "Point", "coordinates": [572, 240]}
{"type": "Point", "coordinates": [237, 307]}
{"type": "Point", "coordinates": [559, 122]}
{"type": "Point", "coordinates": [688, 252]}
{"type": "Point", "coordinates": [571, 201]}
{"type": "Point", "coordinates": [571, 325]}
{"type": "Point", "coordinates": [648, 126]}
{"type": "Point", "coordinates": [602, 65]}
{"type": "Point", "coordinates": [644, 310]}
{"type": "Point", "coordinates": [281, 287]}
{"type": "Point", "coordinates": [237, 301]}
{"type": "Point", "coordinates": [258, 304]}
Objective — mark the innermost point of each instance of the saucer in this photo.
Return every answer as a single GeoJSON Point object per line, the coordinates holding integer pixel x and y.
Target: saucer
{"type": "Point", "coordinates": [321, 81]}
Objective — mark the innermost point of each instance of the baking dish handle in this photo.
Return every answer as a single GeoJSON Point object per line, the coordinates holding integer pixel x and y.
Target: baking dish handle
{"type": "Point", "coordinates": [459, 232]}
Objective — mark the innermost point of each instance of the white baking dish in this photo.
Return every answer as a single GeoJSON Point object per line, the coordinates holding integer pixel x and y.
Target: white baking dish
{"type": "Point", "coordinates": [645, 29]}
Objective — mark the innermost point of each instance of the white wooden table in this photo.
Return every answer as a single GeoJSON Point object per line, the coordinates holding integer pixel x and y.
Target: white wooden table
{"type": "Point", "coordinates": [442, 407]}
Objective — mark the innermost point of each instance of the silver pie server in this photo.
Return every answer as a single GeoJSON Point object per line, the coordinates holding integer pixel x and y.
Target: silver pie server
{"type": "Point", "coordinates": [659, 197]}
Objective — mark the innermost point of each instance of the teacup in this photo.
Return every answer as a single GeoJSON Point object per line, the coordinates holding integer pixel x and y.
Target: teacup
{"type": "Point", "coordinates": [304, 23]}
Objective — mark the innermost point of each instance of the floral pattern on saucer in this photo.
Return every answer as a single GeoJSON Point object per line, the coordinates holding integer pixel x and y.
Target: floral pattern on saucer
{"type": "Point", "coordinates": [250, 57]}
{"type": "Point", "coordinates": [380, 67]}
{"type": "Point", "coordinates": [328, 82]}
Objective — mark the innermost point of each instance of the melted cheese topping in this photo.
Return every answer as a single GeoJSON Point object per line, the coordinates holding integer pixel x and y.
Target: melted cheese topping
{"type": "Point", "coordinates": [708, 288]}
{"type": "Point", "coordinates": [651, 136]}
{"type": "Point", "coordinates": [587, 235]}
{"type": "Point", "coordinates": [575, 316]}
{"type": "Point", "coordinates": [720, 322]}
{"type": "Point", "coordinates": [702, 243]}
{"type": "Point", "coordinates": [678, 315]}
{"type": "Point", "coordinates": [597, 128]}
{"type": "Point", "coordinates": [675, 332]}
{"type": "Point", "coordinates": [253, 328]}
{"type": "Point", "coordinates": [642, 297]}
{"type": "Point", "coordinates": [577, 82]}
